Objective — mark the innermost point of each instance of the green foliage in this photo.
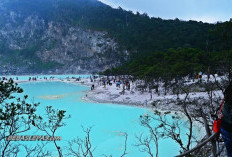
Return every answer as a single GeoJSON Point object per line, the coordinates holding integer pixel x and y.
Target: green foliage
{"type": "Point", "coordinates": [158, 48]}
{"type": "Point", "coordinates": [16, 115]}
{"type": "Point", "coordinates": [174, 62]}
{"type": "Point", "coordinates": [222, 36]}
{"type": "Point", "coordinates": [171, 63]}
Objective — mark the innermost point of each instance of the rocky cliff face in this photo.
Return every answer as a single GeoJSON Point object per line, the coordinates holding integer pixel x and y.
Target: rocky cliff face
{"type": "Point", "coordinates": [31, 44]}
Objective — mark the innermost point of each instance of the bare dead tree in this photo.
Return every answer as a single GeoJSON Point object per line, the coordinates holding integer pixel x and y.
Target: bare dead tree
{"type": "Point", "coordinates": [173, 130]}
{"type": "Point", "coordinates": [124, 153]}
{"type": "Point", "coordinates": [16, 116]}
{"type": "Point", "coordinates": [207, 109]}
{"type": "Point", "coordinates": [145, 145]}
{"type": "Point", "coordinates": [54, 120]}
{"type": "Point", "coordinates": [170, 125]}
{"type": "Point", "coordinates": [146, 141]}
{"type": "Point", "coordinates": [221, 81]}
{"type": "Point", "coordinates": [81, 147]}
{"type": "Point", "coordinates": [204, 109]}
{"type": "Point", "coordinates": [38, 150]}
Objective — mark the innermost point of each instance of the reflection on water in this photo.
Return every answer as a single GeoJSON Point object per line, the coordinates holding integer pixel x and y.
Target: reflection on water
{"type": "Point", "coordinates": [52, 97]}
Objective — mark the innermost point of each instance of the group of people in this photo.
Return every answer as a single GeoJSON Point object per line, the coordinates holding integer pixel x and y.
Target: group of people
{"type": "Point", "coordinates": [37, 77]}
{"type": "Point", "coordinates": [5, 78]}
{"type": "Point", "coordinates": [32, 79]}
{"type": "Point", "coordinates": [125, 84]}
{"type": "Point", "coordinates": [193, 76]}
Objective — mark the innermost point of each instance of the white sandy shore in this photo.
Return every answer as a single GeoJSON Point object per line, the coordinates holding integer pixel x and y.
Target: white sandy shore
{"type": "Point", "coordinates": [132, 97]}
{"type": "Point", "coordinates": [110, 94]}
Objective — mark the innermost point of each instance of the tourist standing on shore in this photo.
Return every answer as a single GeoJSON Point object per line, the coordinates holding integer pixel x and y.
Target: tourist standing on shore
{"type": "Point", "coordinates": [92, 87]}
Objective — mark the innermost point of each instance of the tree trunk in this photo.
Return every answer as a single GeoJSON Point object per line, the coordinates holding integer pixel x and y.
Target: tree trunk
{"type": "Point", "coordinates": [213, 141]}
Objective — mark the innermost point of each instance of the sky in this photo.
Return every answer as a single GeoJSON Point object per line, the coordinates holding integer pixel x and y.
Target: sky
{"type": "Point", "coordinates": [209, 11]}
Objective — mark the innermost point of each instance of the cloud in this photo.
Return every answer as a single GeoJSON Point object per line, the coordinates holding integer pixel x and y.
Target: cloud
{"type": "Point", "coordinates": [206, 10]}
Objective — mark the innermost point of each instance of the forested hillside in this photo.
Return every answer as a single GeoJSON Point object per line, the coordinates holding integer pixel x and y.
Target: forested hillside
{"type": "Point", "coordinates": [133, 35]}
{"type": "Point", "coordinates": [215, 57]}
{"type": "Point", "coordinates": [133, 31]}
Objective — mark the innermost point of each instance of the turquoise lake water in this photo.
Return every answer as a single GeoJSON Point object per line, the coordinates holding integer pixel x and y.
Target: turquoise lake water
{"type": "Point", "coordinates": [108, 120]}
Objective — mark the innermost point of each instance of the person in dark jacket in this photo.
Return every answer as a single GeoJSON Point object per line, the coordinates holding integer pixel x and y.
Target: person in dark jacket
{"type": "Point", "coordinates": [226, 125]}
